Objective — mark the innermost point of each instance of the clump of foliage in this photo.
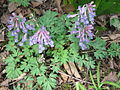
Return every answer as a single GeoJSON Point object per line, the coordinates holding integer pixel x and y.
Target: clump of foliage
{"type": "Point", "coordinates": [114, 21]}
{"type": "Point", "coordinates": [99, 85]}
{"type": "Point", "coordinates": [102, 6]}
{"type": "Point", "coordinates": [100, 50]}
{"type": "Point", "coordinates": [48, 44]}
{"type": "Point", "coordinates": [24, 3]}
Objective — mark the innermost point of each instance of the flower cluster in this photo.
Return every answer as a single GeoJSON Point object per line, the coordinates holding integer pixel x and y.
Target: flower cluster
{"type": "Point", "coordinates": [84, 24]}
{"type": "Point", "coordinates": [42, 38]}
{"type": "Point", "coordinates": [18, 24]}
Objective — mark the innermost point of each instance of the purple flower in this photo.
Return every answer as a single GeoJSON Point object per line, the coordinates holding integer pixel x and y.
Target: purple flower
{"type": "Point", "coordinates": [84, 24]}
{"type": "Point", "coordinates": [18, 24]}
{"type": "Point", "coordinates": [71, 16]}
{"type": "Point", "coordinates": [42, 38]}
{"type": "Point", "coordinates": [30, 27]}
{"type": "Point", "coordinates": [83, 46]}
{"type": "Point", "coordinates": [24, 38]}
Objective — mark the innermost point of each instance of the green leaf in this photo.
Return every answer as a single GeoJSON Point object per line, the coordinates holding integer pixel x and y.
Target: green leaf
{"type": "Point", "coordinates": [99, 54]}
{"type": "Point", "coordinates": [98, 74]}
{"type": "Point", "coordinates": [98, 44]}
{"type": "Point", "coordinates": [48, 18]}
{"type": "Point", "coordinates": [93, 82]}
{"type": "Point", "coordinates": [114, 50]}
{"type": "Point", "coordinates": [106, 5]}
{"type": "Point", "coordinates": [41, 79]}
{"type": "Point", "coordinates": [111, 83]}
{"type": "Point", "coordinates": [43, 69]}
{"type": "Point", "coordinates": [35, 71]}
{"type": "Point", "coordinates": [24, 3]}
{"type": "Point", "coordinates": [115, 22]}
{"type": "Point", "coordinates": [79, 86]}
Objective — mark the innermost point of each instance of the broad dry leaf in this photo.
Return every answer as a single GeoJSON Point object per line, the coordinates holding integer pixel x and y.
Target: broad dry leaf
{"type": "Point", "coordinates": [2, 1]}
{"type": "Point", "coordinates": [25, 11]}
{"type": "Point", "coordinates": [80, 68]}
{"type": "Point", "coordinates": [111, 63]}
{"type": "Point", "coordinates": [4, 88]}
{"type": "Point", "coordinates": [64, 76]}
{"type": "Point", "coordinates": [59, 80]}
{"type": "Point", "coordinates": [12, 6]}
{"type": "Point", "coordinates": [111, 77]}
{"type": "Point", "coordinates": [18, 10]}
{"type": "Point", "coordinates": [67, 68]}
{"type": "Point", "coordinates": [36, 3]}
{"type": "Point", "coordinates": [5, 83]}
{"type": "Point", "coordinates": [2, 36]}
{"type": "Point", "coordinates": [68, 8]}
{"type": "Point", "coordinates": [38, 11]}
{"type": "Point", "coordinates": [3, 55]}
{"type": "Point", "coordinates": [102, 20]}
{"type": "Point", "coordinates": [74, 70]}
{"type": "Point", "coordinates": [4, 18]}
{"type": "Point", "coordinates": [114, 36]}
{"type": "Point", "coordinates": [58, 2]}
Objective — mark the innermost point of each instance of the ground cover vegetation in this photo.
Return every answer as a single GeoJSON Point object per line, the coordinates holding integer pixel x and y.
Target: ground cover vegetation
{"type": "Point", "coordinates": [68, 45]}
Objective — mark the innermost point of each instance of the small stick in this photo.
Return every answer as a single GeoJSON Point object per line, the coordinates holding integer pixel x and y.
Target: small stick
{"type": "Point", "coordinates": [82, 81]}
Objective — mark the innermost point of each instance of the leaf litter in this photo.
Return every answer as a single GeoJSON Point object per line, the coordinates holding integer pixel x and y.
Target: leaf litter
{"type": "Point", "coordinates": [71, 71]}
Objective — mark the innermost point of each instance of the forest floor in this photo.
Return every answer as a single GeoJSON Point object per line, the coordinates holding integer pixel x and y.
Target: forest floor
{"type": "Point", "coordinates": [70, 73]}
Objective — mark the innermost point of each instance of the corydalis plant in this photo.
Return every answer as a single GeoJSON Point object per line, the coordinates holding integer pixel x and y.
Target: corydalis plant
{"type": "Point", "coordinates": [17, 24]}
{"type": "Point", "coordinates": [84, 24]}
{"type": "Point", "coordinates": [42, 38]}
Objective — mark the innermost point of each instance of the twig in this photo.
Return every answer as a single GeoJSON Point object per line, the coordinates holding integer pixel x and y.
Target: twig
{"type": "Point", "coordinates": [5, 83]}
{"type": "Point", "coordinates": [82, 81]}
{"type": "Point", "coordinates": [19, 78]}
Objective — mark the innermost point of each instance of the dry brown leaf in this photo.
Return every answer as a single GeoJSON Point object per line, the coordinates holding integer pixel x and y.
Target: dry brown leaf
{"type": "Point", "coordinates": [111, 64]}
{"type": "Point", "coordinates": [2, 36]}
{"type": "Point", "coordinates": [68, 8]}
{"type": "Point", "coordinates": [114, 36]}
{"type": "Point", "coordinates": [4, 18]}
{"type": "Point", "coordinates": [71, 79]}
{"type": "Point", "coordinates": [59, 80]}
{"type": "Point", "coordinates": [4, 88]}
{"type": "Point", "coordinates": [25, 12]}
{"type": "Point", "coordinates": [18, 10]}
{"type": "Point", "coordinates": [38, 11]}
{"type": "Point", "coordinates": [102, 20]}
{"type": "Point", "coordinates": [5, 83]}
{"type": "Point", "coordinates": [64, 77]}
{"type": "Point", "coordinates": [35, 3]}
{"type": "Point", "coordinates": [111, 77]}
{"type": "Point", "coordinates": [115, 41]}
{"type": "Point", "coordinates": [3, 55]}
{"type": "Point", "coordinates": [81, 68]}
{"type": "Point", "coordinates": [58, 2]}
{"type": "Point", "coordinates": [67, 68]}
{"type": "Point", "coordinates": [12, 6]}
{"type": "Point", "coordinates": [118, 64]}
{"type": "Point", "coordinates": [2, 1]}
{"type": "Point", "coordinates": [41, 1]}
{"type": "Point", "coordinates": [74, 70]}
{"type": "Point", "coordinates": [27, 85]}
